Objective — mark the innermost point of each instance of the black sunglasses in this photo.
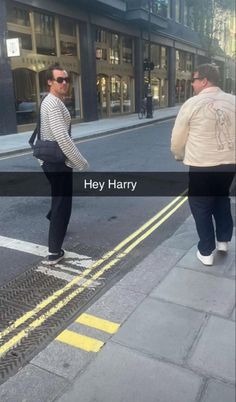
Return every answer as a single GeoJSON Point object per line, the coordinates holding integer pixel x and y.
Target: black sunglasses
{"type": "Point", "coordinates": [60, 80]}
{"type": "Point", "coordinates": [196, 78]}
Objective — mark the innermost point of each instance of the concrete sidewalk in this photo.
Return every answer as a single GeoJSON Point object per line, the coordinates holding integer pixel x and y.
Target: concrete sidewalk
{"type": "Point", "coordinates": [13, 143]}
{"type": "Point", "coordinates": [175, 343]}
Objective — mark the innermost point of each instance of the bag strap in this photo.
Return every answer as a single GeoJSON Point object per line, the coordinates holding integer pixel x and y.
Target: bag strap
{"type": "Point", "coordinates": [36, 131]}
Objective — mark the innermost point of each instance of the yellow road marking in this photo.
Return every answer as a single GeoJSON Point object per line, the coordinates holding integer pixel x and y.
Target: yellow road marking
{"type": "Point", "coordinates": [98, 323]}
{"type": "Point", "coordinates": [80, 341]}
{"type": "Point", "coordinates": [75, 281]}
{"type": "Point", "coordinates": [12, 342]}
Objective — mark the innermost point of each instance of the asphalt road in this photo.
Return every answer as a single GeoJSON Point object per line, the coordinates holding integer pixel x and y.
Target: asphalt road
{"type": "Point", "coordinates": [97, 224]}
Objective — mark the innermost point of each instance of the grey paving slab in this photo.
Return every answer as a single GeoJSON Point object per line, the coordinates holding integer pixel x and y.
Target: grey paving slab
{"type": "Point", "coordinates": [231, 270]}
{"type": "Point", "coordinates": [222, 262]}
{"type": "Point", "coordinates": [63, 360]}
{"type": "Point", "coordinates": [32, 384]}
{"type": "Point", "coordinates": [182, 241]}
{"type": "Point", "coordinates": [161, 329]}
{"type": "Point", "coordinates": [122, 375]}
{"type": "Point", "coordinates": [187, 226]}
{"type": "Point", "coordinates": [219, 392]}
{"type": "Point", "coordinates": [116, 304]}
{"type": "Point", "coordinates": [198, 290]}
{"type": "Point", "coordinates": [146, 275]}
{"type": "Point", "coordinates": [233, 315]}
{"type": "Point", "coordinates": [215, 351]}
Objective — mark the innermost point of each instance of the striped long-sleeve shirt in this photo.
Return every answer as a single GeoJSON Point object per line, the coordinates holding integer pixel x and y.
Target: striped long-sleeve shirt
{"type": "Point", "coordinates": [55, 123]}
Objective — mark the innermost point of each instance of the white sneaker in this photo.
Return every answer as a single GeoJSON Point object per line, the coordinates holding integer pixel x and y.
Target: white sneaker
{"type": "Point", "coordinates": [205, 259]}
{"type": "Point", "coordinates": [222, 246]}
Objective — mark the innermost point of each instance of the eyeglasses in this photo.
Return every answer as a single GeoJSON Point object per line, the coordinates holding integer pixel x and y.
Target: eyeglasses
{"type": "Point", "coordinates": [60, 80]}
{"type": "Point", "coordinates": [196, 78]}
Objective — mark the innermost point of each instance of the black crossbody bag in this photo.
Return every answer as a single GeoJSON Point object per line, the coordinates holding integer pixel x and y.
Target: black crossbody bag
{"type": "Point", "coordinates": [45, 150]}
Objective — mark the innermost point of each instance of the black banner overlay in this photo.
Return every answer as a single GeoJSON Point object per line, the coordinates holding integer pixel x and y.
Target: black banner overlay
{"type": "Point", "coordinates": [113, 184]}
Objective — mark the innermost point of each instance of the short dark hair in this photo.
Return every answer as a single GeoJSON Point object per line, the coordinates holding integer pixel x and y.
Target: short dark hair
{"type": "Point", "coordinates": [209, 71]}
{"type": "Point", "coordinates": [49, 72]}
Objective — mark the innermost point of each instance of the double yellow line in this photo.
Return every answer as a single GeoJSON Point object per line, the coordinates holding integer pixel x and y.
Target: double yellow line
{"type": "Point", "coordinates": [139, 235]}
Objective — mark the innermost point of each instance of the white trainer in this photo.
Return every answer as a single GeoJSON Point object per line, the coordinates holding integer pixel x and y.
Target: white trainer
{"type": "Point", "coordinates": [222, 246]}
{"type": "Point", "coordinates": [205, 259]}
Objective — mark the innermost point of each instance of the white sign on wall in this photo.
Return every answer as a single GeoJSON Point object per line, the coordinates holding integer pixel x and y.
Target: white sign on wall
{"type": "Point", "coordinates": [13, 47]}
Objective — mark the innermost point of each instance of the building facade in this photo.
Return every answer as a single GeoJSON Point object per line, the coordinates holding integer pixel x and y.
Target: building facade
{"type": "Point", "coordinates": [103, 45]}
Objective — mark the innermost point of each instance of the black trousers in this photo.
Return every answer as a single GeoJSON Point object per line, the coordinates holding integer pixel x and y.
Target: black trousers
{"type": "Point", "coordinates": [210, 204]}
{"type": "Point", "coordinates": [61, 182]}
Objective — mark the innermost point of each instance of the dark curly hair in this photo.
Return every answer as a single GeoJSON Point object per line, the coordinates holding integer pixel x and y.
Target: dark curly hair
{"type": "Point", "coordinates": [49, 72]}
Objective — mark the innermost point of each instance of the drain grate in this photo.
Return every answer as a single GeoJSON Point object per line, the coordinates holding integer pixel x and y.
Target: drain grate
{"type": "Point", "coordinates": [24, 293]}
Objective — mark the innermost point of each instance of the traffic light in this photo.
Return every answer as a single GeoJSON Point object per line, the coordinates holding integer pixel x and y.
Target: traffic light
{"type": "Point", "coordinates": [151, 65]}
{"type": "Point", "coordinates": [148, 65]}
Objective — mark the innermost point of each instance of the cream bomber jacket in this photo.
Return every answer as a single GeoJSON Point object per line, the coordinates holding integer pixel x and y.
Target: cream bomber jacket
{"type": "Point", "coordinates": [204, 130]}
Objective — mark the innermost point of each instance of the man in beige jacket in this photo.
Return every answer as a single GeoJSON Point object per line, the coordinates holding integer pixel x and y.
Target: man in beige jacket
{"type": "Point", "coordinates": [203, 138]}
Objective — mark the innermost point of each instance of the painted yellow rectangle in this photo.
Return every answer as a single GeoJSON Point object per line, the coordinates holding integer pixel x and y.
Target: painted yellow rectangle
{"type": "Point", "coordinates": [98, 323]}
{"type": "Point", "coordinates": [80, 341]}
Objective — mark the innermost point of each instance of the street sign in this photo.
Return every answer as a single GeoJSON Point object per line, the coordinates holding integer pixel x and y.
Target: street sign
{"type": "Point", "coordinates": [13, 47]}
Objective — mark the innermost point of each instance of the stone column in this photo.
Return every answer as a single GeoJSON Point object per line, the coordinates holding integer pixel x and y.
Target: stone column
{"type": "Point", "coordinates": [88, 71]}
{"type": "Point", "coordinates": [7, 98]}
{"type": "Point", "coordinates": [138, 73]}
{"type": "Point", "coordinates": [171, 76]}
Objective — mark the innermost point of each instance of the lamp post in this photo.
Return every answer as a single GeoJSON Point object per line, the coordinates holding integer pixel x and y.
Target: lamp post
{"type": "Point", "coordinates": [149, 89]}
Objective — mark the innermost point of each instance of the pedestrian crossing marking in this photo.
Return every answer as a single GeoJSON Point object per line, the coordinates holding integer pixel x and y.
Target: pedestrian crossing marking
{"type": "Point", "coordinates": [98, 323]}
{"type": "Point", "coordinates": [42, 251]}
{"type": "Point", "coordinates": [69, 263]}
{"type": "Point", "coordinates": [80, 341]}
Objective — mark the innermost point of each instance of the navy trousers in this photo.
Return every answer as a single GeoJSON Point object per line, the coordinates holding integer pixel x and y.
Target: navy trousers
{"type": "Point", "coordinates": [61, 182]}
{"type": "Point", "coordinates": [210, 205]}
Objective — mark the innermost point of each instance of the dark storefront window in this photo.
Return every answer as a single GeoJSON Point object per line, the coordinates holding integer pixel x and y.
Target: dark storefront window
{"type": "Point", "coordinates": [26, 40]}
{"type": "Point", "coordinates": [45, 34]}
{"type": "Point", "coordinates": [115, 49]}
{"type": "Point", "coordinates": [184, 67]}
{"type": "Point", "coordinates": [19, 26]}
{"type": "Point", "coordinates": [126, 95]}
{"type": "Point", "coordinates": [67, 27]}
{"type": "Point", "coordinates": [115, 91]}
{"type": "Point", "coordinates": [188, 89]}
{"type": "Point", "coordinates": [68, 48]}
{"type": "Point", "coordinates": [25, 95]}
{"type": "Point", "coordinates": [101, 54]}
{"type": "Point", "coordinates": [155, 55]}
{"type": "Point", "coordinates": [189, 62]}
{"type": "Point", "coordinates": [159, 7]}
{"type": "Point", "coordinates": [159, 55]}
{"type": "Point", "coordinates": [101, 35]}
{"type": "Point", "coordinates": [17, 15]}
{"type": "Point", "coordinates": [181, 61]}
{"type": "Point", "coordinates": [102, 95]}
{"type": "Point", "coordinates": [68, 44]}
{"type": "Point", "coordinates": [101, 44]}
{"type": "Point", "coordinates": [127, 50]}
{"type": "Point", "coordinates": [164, 57]}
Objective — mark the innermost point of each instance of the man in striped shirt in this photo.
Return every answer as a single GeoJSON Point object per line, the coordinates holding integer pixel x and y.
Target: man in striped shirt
{"type": "Point", "coordinates": [55, 126]}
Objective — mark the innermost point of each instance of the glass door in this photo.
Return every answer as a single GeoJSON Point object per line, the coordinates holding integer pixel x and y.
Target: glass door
{"type": "Point", "coordinates": [102, 95]}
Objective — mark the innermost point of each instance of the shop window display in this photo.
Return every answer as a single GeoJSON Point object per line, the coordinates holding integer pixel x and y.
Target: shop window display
{"type": "Point", "coordinates": [115, 94]}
